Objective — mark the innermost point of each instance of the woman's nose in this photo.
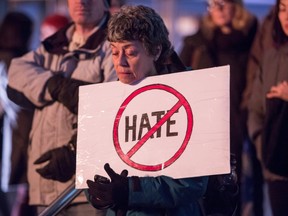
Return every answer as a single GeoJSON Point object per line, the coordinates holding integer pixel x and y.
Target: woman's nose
{"type": "Point", "coordinates": [122, 60]}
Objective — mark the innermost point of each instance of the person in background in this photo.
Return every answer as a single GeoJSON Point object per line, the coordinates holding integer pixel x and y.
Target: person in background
{"type": "Point", "coordinates": [263, 40]}
{"type": "Point", "coordinates": [267, 119]}
{"type": "Point", "coordinates": [47, 79]}
{"type": "Point", "coordinates": [51, 24]}
{"type": "Point", "coordinates": [115, 5]}
{"type": "Point", "coordinates": [4, 208]}
{"type": "Point", "coordinates": [141, 48]}
{"type": "Point", "coordinates": [15, 34]}
{"type": "Point", "coordinates": [225, 37]}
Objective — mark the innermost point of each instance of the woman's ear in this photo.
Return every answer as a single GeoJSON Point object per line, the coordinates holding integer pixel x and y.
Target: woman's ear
{"type": "Point", "coordinates": [159, 50]}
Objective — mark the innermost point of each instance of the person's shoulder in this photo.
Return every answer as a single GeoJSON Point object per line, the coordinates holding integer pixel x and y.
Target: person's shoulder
{"type": "Point", "coordinates": [271, 56]}
{"type": "Point", "coordinates": [272, 50]}
{"type": "Point", "coordinates": [57, 41]}
{"type": "Point", "coordinates": [194, 40]}
{"type": "Point", "coordinates": [275, 52]}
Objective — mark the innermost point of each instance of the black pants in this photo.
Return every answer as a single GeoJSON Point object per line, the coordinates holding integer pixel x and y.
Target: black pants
{"type": "Point", "coordinates": [278, 195]}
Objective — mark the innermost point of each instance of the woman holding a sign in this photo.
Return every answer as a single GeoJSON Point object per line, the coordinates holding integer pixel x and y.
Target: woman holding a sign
{"type": "Point", "coordinates": [141, 48]}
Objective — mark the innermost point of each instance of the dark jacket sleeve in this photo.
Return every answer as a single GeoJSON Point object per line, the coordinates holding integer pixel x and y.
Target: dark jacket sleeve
{"type": "Point", "coordinates": [166, 192]}
{"type": "Point", "coordinates": [19, 98]}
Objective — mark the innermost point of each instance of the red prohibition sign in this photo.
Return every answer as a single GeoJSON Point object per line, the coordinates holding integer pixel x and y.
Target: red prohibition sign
{"type": "Point", "coordinates": [181, 102]}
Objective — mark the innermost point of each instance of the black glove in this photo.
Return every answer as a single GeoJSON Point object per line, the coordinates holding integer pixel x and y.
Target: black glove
{"type": "Point", "coordinates": [222, 193]}
{"type": "Point", "coordinates": [65, 90]}
{"type": "Point", "coordinates": [62, 162]}
{"type": "Point", "coordinates": [229, 182]}
{"type": "Point", "coordinates": [106, 194]}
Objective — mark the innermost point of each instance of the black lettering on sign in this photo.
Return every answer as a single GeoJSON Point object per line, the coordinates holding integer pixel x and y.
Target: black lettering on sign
{"type": "Point", "coordinates": [158, 115]}
{"type": "Point", "coordinates": [132, 127]}
{"type": "Point", "coordinates": [169, 123]}
{"type": "Point", "coordinates": [145, 126]}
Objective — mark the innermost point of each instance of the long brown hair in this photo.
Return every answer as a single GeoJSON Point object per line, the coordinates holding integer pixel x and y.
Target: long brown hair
{"type": "Point", "coordinates": [278, 34]}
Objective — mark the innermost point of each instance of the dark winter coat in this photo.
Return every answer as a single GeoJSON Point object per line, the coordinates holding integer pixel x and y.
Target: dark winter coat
{"type": "Point", "coordinates": [273, 70]}
{"type": "Point", "coordinates": [209, 47]}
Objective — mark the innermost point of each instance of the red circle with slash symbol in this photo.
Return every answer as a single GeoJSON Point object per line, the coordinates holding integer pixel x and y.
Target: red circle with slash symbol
{"type": "Point", "coordinates": [126, 157]}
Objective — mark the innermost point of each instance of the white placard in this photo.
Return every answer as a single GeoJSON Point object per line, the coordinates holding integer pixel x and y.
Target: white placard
{"type": "Point", "coordinates": [175, 125]}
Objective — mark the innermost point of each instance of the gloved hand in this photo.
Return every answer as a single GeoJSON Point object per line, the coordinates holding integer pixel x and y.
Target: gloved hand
{"type": "Point", "coordinates": [109, 194]}
{"type": "Point", "coordinates": [65, 90]}
{"type": "Point", "coordinates": [222, 193]}
{"type": "Point", "coordinates": [62, 162]}
{"type": "Point", "coordinates": [229, 182]}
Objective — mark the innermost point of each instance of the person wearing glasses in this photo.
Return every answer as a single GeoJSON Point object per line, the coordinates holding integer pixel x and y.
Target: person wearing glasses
{"type": "Point", "coordinates": [225, 36]}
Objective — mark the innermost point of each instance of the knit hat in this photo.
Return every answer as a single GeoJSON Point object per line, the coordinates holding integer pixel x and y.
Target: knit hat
{"type": "Point", "coordinates": [56, 20]}
{"type": "Point", "coordinates": [51, 24]}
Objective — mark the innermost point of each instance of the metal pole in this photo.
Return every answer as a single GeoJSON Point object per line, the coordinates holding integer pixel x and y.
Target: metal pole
{"type": "Point", "coordinates": [62, 201]}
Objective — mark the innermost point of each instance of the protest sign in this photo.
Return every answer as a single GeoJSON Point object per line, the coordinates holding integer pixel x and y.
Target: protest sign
{"type": "Point", "coordinates": [175, 125]}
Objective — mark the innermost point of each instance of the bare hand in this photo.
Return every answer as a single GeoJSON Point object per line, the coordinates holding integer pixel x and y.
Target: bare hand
{"type": "Point", "coordinates": [279, 91]}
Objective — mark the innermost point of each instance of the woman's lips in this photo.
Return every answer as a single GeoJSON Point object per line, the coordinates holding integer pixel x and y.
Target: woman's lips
{"type": "Point", "coordinates": [124, 72]}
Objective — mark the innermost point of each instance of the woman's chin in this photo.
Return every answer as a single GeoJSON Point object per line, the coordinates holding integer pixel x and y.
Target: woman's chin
{"type": "Point", "coordinates": [126, 81]}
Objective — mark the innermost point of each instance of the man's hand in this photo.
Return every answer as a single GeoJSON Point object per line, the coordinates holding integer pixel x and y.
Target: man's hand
{"type": "Point", "coordinates": [65, 90]}
{"type": "Point", "coordinates": [61, 164]}
{"type": "Point", "coordinates": [109, 194]}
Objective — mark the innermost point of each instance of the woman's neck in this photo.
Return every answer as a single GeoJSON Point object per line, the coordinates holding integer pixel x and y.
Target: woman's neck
{"type": "Point", "coordinates": [84, 30]}
{"type": "Point", "coordinates": [226, 29]}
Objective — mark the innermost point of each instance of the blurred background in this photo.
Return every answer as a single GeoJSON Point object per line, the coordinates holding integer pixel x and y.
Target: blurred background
{"type": "Point", "coordinates": [181, 16]}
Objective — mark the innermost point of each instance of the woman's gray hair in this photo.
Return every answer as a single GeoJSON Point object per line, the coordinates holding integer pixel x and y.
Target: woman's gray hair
{"type": "Point", "coordinates": [141, 23]}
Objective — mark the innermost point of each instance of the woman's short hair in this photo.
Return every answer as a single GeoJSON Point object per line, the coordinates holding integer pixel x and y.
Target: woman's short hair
{"type": "Point", "coordinates": [141, 23]}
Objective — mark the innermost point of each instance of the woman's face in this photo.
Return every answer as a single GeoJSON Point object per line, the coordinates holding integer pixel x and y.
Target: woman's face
{"type": "Point", "coordinates": [283, 15]}
{"type": "Point", "coordinates": [221, 11]}
{"type": "Point", "coordinates": [131, 61]}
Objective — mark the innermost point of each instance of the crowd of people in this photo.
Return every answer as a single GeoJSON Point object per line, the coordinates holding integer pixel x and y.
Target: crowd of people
{"type": "Point", "coordinates": [100, 41]}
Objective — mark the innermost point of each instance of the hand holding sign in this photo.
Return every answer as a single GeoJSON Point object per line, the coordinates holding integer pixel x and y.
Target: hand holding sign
{"type": "Point", "coordinates": [109, 194]}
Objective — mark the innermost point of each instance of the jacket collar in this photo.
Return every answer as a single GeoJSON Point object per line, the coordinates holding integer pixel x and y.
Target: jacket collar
{"type": "Point", "coordinates": [171, 65]}
{"type": "Point", "coordinates": [58, 43]}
